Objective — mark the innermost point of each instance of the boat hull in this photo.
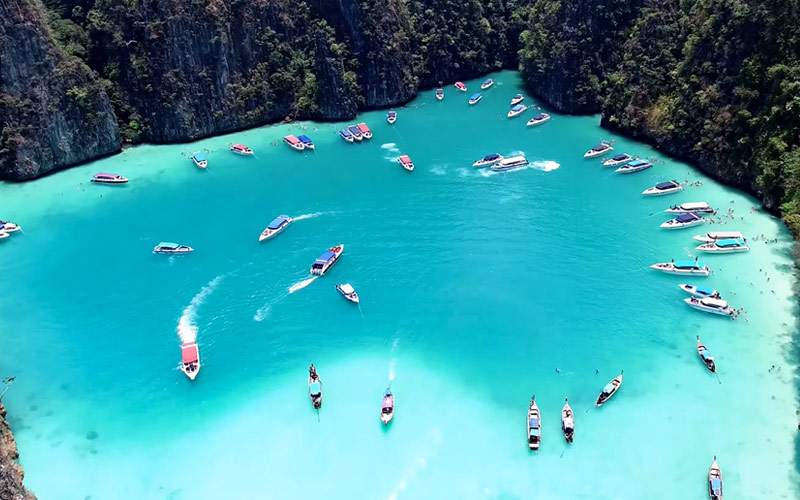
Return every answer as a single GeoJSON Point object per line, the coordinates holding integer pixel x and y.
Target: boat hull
{"type": "Point", "coordinates": [693, 291]}
{"type": "Point", "coordinates": [661, 192]}
{"type": "Point", "coordinates": [722, 250]}
{"type": "Point", "coordinates": [680, 272]}
{"type": "Point", "coordinates": [110, 182]}
{"type": "Point", "coordinates": [682, 225]}
{"type": "Point", "coordinates": [711, 310]}
{"type": "Point", "coordinates": [623, 170]}
{"type": "Point", "coordinates": [535, 123]}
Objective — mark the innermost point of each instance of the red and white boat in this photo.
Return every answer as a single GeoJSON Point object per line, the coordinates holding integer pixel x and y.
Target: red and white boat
{"type": "Point", "coordinates": [241, 149]}
{"type": "Point", "coordinates": [406, 163]}
{"type": "Point", "coordinates": [294, 142]}
{"type": "Point", "coordinates": [387, 407]}
{"type": "Point", "coordinates": [366, 133]}
{"type": "Point", "coordinates": [460, 86]}
{"type": "Point", "coordinates": [190, 360]}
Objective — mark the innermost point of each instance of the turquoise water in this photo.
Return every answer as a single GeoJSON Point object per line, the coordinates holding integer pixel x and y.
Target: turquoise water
{"type": "Point", "coordinates": [475, 289]}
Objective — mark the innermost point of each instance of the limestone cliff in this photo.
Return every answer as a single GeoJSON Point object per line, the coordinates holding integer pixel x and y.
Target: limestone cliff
{"type": "Point", "coordinates": [11, 474]}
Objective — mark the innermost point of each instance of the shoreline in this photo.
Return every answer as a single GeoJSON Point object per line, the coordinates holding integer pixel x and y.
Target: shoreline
{"type": "Point", "coordinates": [11, 472]}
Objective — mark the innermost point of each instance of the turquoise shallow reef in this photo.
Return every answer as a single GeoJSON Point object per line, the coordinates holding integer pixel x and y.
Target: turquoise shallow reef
{"type": "Point", "coordinates": [477, 291]}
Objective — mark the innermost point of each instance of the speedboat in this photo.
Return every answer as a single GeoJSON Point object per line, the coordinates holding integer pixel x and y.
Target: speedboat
{"type": "Point", "coordinates": [698, 207]}
{"type": "Point", "coordinates": [387, 406]}
{"type": "Point", "coordinates": [682, 221]}
{"type": "Point", "coordinates": [538, 119]}
{"type": "Point", "coordinates": [460, 86]}
{"type": "Point", "coordinates": [510, 162]}
{"type": "Point", "coordinates": [277, 225]}
{"type": "Point", "coordinates": [406, 163]}
{"type": "Point", "coordinates": [104, 178]}
{"type": "Point", "coordinates": [9, 227]}
{"type": "Point", "coordinates": [241, 149]}
{"type": "Point", "coordinates": [617, 160]}
{"type": "Point", "coordinates": [294, 143]}
{"type": "Point", "coordinates": [599, 150]}
{"type": "Point", "coordinates": [663, 188]}
{"type": "Point", "coordinates": [346, 135]}
{"type": "Point", "coordinates": [634, 166]}
{"type": "Point", "coordinates": [534, 425]}
{"type": "Point", "coordinates": [699, 291]}
{"type": "Point", "coordinates": [391, 117]}
{"type": "Point", "coordinates": [517, 110]}
{"type": "Point", "coordinates": [567, 421]}
{"type": "Point", "coordinates": [314, 387]}
{"type": "Point", "coordinates": [715, 481]}
{"type": "Point", "coordinates": [348, 292]}
{"type": "Point", "coordinates": [365, 131]}
{"type": "Point", "coordinates": [683, 267]}
{"type": "Point", "coordinates": [440, 94]}
{"type": "Point", "coordinates": [609, 390]}
{"type": "Point", "coordinates": [326, 260]}
{"type": "Point", "coordinates": [307, 142]}
{"type": "Point", "coordinates": [356, 132]}
{"type": "Point", "coordinates": [199, 159]}
{"type": "Point", "coordinates": [706, 356]}
{"type": "Point", "coordinates": [718, 235]}
{"type": "Point", "coordinates": [487, 84]}
{"type": "Point", "coordinates": [488, 160]}
{"type": "Point", "coordinates": [710, 305]}
{"type": "Point", "coordinates": [517, 99]}
{"type": "Point", "coordinates": [474, 99]}
{"type": "Point", "coordinates": [190, 360]}
{"type": "Point", "coordinates": [732, 245]}
{"type": "Point", "coordinates": [166, 247]}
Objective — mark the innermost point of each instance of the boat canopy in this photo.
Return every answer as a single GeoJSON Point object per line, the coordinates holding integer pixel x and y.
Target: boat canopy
{"type": "Point", "coordinates": [689, 264]}
{"type": "Point", "coordinates": [354, 129]}
{"type": "Point", "coordinates": [199, 155]}
{"type": "Point", "coordinates": [189, 353]}
{"type": "Point", "coordinates": [345, 133]}
{"type": "Point", "coordinates": [705, 354]}
{"type": "Point", "coordinates": [718, 303]}
{"type": "Point", "coordinates": [291, 139]}
{"type": "Point", "coordinates": [305, 139]}
{"type": "Point", "coordinates": [394, 113]}
{"type": "Point", "coordinates": [491, 157]}
{"type": "Point", "coordinates": [533, 423]}
{"type": "Point", "coordinates": [315, 388]}
{"type": "Point", "coordinates": [239, 146]}
{"type": "Point", "coordinates": [474, 96]}
{"type": "Point", "coordinates": [405, 159]}
{"type": "Point", "coordinates": [725, 235]}
{"type": "Point", "coordinates": [347, 288]}
{"type": "Point", "coordinates": [518, 107]}
{"type": "Point", "coordinates": [488, 80]}
{"type": "Point", "coordinates": [363, 127]}
{"type": "Point", "coordinates": [729, 243]}
{"type": "Point", "coordinates": [540, 116]}
{"type": "Point", "coordinates": [278, 221]}
{"type": "Point", "coordinates": [620, 157]}
{"type": "Point", "coordinates": [716, 485]}
{"type": "Point", "coordinates": [694, 205]}
{"type": "Point", "coordinates": [666, 185]}
{"type": "Point", "coordinates": [168, 244]}
{"type": "Point", "coordinates": [704, 290]}
{"type": "Point", "coordinates": [601, 147]}
{"type": "Point", "coordinates": [324, 258]}
{"type": "Point", "coordinates": [637, 163]}
{"type": "Point", "coordinates": [106, 176]}
{"type": "Point", "coordinates": [687, 217]}
{"type": "Point", "coordinates": [609, 388]}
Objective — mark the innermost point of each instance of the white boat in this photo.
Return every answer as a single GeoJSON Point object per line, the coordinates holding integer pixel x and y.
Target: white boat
{"type": "Point", "coordinates": [439, 94]}
{"type": "Point", "coordinates": [710, 305]}
{"type": "Point", "coordinates": [9, 227]}
{"type": "Point", "coordinates": [294, 143]}
{"type": "Point", "coordinates": [699, 291]}
{"type": "Point", "coordinates": [538, 119]}
{"type": "Point", "coordinates": [732, 245]}
{"type": "Point", "coordinates": [663, 188]}
{"type": "Point", "coordinates": [488, 160]}
{"type": "Point", "coordinates": [698, 207]}
{"type": "Point", "coordinates": [348, 292]}
{"type": "Point", "coordinates": [706, 356]}
{"type": "Point", "coordinates": [277, 225]}
{"type": "Point", "coordinates": [241, 150]}
{"type": "Point", "coordinates": [683, 268]}
{"type": "Point", "coordinates": [326, 260]}
{"type": "Point", "coordinates": [517, 99]}
{"type": "Point", "coordinates": [200, 159]}
{"type": "Point", "coordinates": [106, 178]}
{"type": "Point", "coordinates": [406, 163]}
{"type": "Point", "coordinates": [517, 110]}
{"type": "Point", "coordinates": [487, 84]}
{"type": "Point", "coordinates": [387, 407]}
{"type": "Point", "coordinates": [609, 390]}
{"type": "Point", "coordinates": [510, 162]}
{"type": "Point", "coordinates": [633, 166]}
{"type": "Point", "coordinates": [618, 160]}
{"type": "Point", "coordinates": [718, 235]}
{"type": "Point", "coordinates": [474, 99]}
{"type": "Point", "coordinates": [166, 247]}
{"type": "Point", "coordinates": [567, 421]}
{"type": "Point", "coordinates": [534, 421]}
{"type": "Point", "coordinates": [682, 221]}
{"type": "Point", "coordinates": [4, 235]}
{"type": "Point", "coordinates": [715, 481]}
{"type": "Point", "coordinates": [190, 360]}
{"type": "Point", "coordinates": [391, 117]}
{"type": "Point", "coordinates": [599, 150]}
{"type": "Point", "coordinates": [314, 387]}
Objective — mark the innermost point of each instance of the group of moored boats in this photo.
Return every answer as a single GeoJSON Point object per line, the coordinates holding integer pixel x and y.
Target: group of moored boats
{"type": "Point", "coordinates": [359, 132]}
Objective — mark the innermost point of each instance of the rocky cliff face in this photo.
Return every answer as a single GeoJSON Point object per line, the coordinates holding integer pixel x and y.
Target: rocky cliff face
{"type": "Point", "coordinates": [11, 474]}
{"type": "Point", "coordinates": [54, 112]}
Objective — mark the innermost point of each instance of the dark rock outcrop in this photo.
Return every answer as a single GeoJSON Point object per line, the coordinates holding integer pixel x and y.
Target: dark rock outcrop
{"type": "Point", "coordinates": [11, 474]}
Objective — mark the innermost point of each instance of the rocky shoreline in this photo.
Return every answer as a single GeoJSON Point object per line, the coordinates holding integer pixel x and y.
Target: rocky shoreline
{"type": "Point", "coordinates": [11, 473]}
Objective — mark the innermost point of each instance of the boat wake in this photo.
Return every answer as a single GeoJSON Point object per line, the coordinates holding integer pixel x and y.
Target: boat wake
{"type": "Point", "coordinates": [308, 216]}
{"type": "Point", "coordinates": [262, 312]}
{"type": "Point", "coordinates": [421, 462]}
{"type": "Point", "coordinates": [187, 326]}
{"type": "Point", "coordinates": [302, 284]}
{"type": "Point", "coordinates": [438, 170]}
{"type": "Point", "coordinates": [545, 166]}
{"type": "Point", "coordinates": [391, 147]}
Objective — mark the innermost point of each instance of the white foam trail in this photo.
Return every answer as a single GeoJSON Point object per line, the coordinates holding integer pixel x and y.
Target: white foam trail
{"type": "Point", "coordinates": [434, 440]}
{"type": "Point", "coordinates": [302, 284]}
{"type": "Point", "coordinates": [389, 145]}
{"type": "Point", "coordinates": [262, 312]}
{"type": "Point", "coordinates": [308, 216]}
{"type": "Point", "coordinates": [438, 170]}
{"type": "Point", "coordinates": [187, 327]}
{"type": "Point", "coordinates": [546, 165]}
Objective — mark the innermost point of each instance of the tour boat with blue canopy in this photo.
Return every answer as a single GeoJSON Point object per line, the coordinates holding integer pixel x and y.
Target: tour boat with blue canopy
{"type": "Point", "coordinates": [617, 160]}
{"type": "Point", "coordinates": [200, 159]}
{"type": "Point", "coordinates": [732, 245]}
{"type": "Point", "coordinates": [387, 406]}
{"type": "Point", "coordinates": [365, 131]}
{"type": "Point", "coordinates": [391, 117]}
{"type": "Point", "coordinates": [167, 247]}
{"type": "Point", "coordinates": [307, 142]}
{"type": "Point", "coordinates": [517, 99]}
{"type": "Point", "coordinates": [634, 166]}
{"type": "Point", "coordinates": [326, 260]}
{"type": "Point", "coordinates": [241, 150]}
{"type": "Point", "coordinates": [294, 142]}
{"type": "Point", "coordinates": [663, 188]}
{"type": "Point", "coordinates": [715, 481]}
{"type": "Point", "coordinates": [277, 225]}
{"type": "Point", "coordinates": [599, 150]}
{"type": "Point", "coordinates": [698, 207]}
{"type": "Point", "coordinates": [534, 425]}
{"type": "Point", "coordinates": [699, 291]}
{"type": "Point", "coordinates": [609, 390]}
{"type": "Point", "coordinates": [107, 178]}
{"type": "Point", "coordinates": [683, 267]}
{"type": "Point", "coordinates": [475, 99]}
{"type": "Point", "coordinates": [488, 160]}
{"type": "Point", "coordinates": [439, 94]}
{"type": "Point", "coordinates": [460, 86]}
{"type": "Point", "coordinates": [190, 360]}
{"type": "Point", "coordinates": [706, 356]}
{"type": "Point", "coordinates": [487, 84]}
{"type": "Point", "coordinates": [346, 135]}
{"type": "Point", "coordinates": [718, 235]}
{"type": "Point", "coordinates": [357, 135]}
{"type": "Point", "coordinates": [9, 227]}
{"type": "Point", "coordinates": [517, 110]}
{"type": "Point", "coordinates": [682, 221]}
{"type": "Point", "coordinates": [710, 305]}
{"type": "Point", "coordinates": [406, 163]}
{"type": "Point", "coordinates": [510, 162]}
{"type": "Point", "coordinates": [538, 119]}
{"type": "Point", "coordinates": [348, 292]}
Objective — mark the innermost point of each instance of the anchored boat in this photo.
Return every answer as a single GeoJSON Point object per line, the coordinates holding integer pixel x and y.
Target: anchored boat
{"type": "Point", "coordinates": [517, 99]}
{"type": "Point", "coordinates": [534, 425]}
{"type": "Point", "coordinates": [439, 94]}
{"type": "Point", "coordinates": [634, 166]}
{"type": "Point", "coordinates": [474, 99]}
{"type": "Point", "coordinates": [510, 163]}
{"type": "Point", "coordinates": [487, 84]}
{"type": "Point", "coordinates": [365, 131]}
{"type": "Point", "coordinates": [618, 160]}
{"type": "Point", "coordinates": [391, 117]}
{"type": "Point", "coordinates": [706, 356]}
{"type": "Point", "coordinates": [609, 390]}
{"type": "Point", "coordinates": [732, 245]}
{"type": "Point", "coordinates": [294, 143]}
{"type": "Point", "coordinates": [460, 86]}
{"type": "Point", "coordinates": [538, 119]}
{"type": "Point", "coordinates": [348, 292]}
{"type": "Point", "coordinates": [241, 150]}
{"type": "Point", "coordinates": [314, 387]}
{"type": "Point", "coordinates": [406, 163]}
{"type": "Point", "coordinates": [277, 225]}
{"type": "Point", "coordinates": [683, 267]}
{"type": "Point", "coordinates": [599, 150]}
{"type": "Point", "coordinates": [698, 207]}
{"type": "Point", "coordinates": [387, 406]}
{"type": "Point", "coordinates": [682, 221]}
{"type": "Point", "coordinates": [307, 142]}
{"type": "Point", "coordinates": [356, 132]}
{"type": "Point", "coordinates": [567, 421]}
{"type": "Point", "coordinates": [517, 110]}
{"type": "Point", "coordinates": [710, 305]}
{"type": "Point", "coordinates": [166, 247]}
{"type": "Point", "coordinates": [190, 360]}
{"type": "Point", "coordinates": [9, 227]}
{"type": "Point", "coordinates": [718, 235]}
{"type": "Point", "coordinates": [488, 160]}
{"type": "Point", "coordinates": [104, 178]}
{"type": "Point", "coordinates": [699, 291]}
{"type": "Point", "coordinates": [326, 260]}
{"type": "Point", "coordinates": [346, 135]}
{"type": "Point", "coordinates": [200, 159]}
{"type": "Point", "coordinates": [663, 188]}
{"type": "Point", "coordinates": [715, 481]}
